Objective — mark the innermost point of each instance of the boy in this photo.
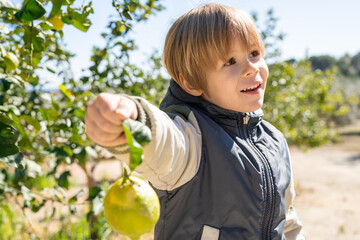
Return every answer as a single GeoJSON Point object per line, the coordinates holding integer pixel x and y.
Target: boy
{"type": "Point", "coordinates": [220, 171]}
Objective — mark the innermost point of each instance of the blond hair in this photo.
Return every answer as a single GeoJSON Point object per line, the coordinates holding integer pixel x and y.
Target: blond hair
{"type": "Point", "coordinates": [203, 36]}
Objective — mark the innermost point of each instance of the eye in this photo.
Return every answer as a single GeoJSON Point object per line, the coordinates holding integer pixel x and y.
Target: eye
{"type": "Point", "coordinates": [254, 53]}
{"type": "Point", "coordinates": [231, 61]}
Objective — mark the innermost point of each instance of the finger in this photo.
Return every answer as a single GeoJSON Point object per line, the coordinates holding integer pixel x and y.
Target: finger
{"type": "Point", "coordinates": [119, 140]}
{"type": "Point", "coordinates": [93, 114]}
{"type": "Point", "coordinates": [126, 108]}
{"type": "Point", "coordinates": [106, 105]}
{"type": "Point", "coordinates": [102, 138]}
{"type": "Point", "coordinates": [95, 131]}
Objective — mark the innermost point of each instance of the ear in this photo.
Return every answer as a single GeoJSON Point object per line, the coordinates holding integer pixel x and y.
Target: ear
{"type": "Point", "coordinates": [187, 87]}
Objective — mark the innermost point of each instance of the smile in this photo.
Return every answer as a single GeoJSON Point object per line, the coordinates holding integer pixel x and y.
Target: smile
{"type": "Point", "coordinates": [252, 88]}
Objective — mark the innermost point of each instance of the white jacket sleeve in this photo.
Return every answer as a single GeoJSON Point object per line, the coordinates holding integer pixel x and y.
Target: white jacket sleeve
{"type": "Point", "coordinates": [172, 157]}
{"type": "Point", "coordinates": [293, 225]}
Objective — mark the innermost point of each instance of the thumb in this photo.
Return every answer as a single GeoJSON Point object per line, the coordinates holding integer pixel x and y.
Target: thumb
{"type": "Point", "coordinates": [126, 109]}
{"type": "Point", "coordinates": [122, 113]}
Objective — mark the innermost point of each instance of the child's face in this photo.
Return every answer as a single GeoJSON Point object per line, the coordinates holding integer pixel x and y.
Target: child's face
{"type": "Point", "coordinates": [239, 83]}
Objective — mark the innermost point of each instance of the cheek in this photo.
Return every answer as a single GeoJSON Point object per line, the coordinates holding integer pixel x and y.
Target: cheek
{"type": "Point", "coordinates": [264, 73]}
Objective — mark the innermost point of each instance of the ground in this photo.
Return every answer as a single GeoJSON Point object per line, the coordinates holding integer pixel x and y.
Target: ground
{"type": "Point", "coordinates": [327, 182]}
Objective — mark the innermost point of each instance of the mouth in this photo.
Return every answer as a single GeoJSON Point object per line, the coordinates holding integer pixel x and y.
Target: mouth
{"type": "Point", "coordinates": [252, 88]}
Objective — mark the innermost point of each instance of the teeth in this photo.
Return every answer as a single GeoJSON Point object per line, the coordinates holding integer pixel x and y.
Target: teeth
{"type": "Point", "coordinates": [251, 88]}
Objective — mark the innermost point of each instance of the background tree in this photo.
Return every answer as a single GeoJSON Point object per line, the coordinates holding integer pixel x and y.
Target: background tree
{"type": "Point", "coordinates": [42, 133]}
{"type": "Point", "coordinates": [322, 62]}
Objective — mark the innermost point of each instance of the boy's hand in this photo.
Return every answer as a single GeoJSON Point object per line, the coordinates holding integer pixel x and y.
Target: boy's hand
{"type": "Point", "coordinates": [104, 117]}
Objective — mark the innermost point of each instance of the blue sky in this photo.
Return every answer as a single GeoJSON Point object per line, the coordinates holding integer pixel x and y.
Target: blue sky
{"type": "Point", "coordinates": [312, 27]}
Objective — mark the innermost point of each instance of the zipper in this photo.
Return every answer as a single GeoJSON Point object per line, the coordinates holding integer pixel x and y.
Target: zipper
{"type": "Point", "coordinates": [246, 118]}
{"type": "Point", "coordinates": [269, 203]}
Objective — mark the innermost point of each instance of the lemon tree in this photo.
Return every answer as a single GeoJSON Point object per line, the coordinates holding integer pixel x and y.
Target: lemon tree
{"type": "Point", "coordinates": [131, 206]}
{"type": "Point", "coordinates": [42, 133]}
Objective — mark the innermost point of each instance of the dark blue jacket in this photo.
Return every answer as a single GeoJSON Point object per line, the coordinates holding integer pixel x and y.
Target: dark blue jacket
{"type": "Point", "coordinates": [240, 186]}
{"type": "Point", "coordinates": [219, 174]}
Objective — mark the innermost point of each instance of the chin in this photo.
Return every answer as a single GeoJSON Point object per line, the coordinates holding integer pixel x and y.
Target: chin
{"type": "Point", "coordinates": [254, 107]}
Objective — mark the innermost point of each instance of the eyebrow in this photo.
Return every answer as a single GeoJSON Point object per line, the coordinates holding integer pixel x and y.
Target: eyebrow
{"type": "Point", "coordinates": [252, 46]}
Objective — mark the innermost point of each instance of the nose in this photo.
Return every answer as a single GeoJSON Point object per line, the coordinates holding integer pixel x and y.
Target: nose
{"type": "Point", "coordinates": [250, 69]}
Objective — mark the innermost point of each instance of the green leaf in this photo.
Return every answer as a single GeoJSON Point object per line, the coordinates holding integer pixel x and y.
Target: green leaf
{"type": "Point", "coordinates": [6, 4]}
{"type": "Point", "coordinates": [31, 11]}
{"type": "Point", "coordinates": [55, 105]}
{"type": "Point", "coordinates": [8, 149]}
{"type": "Point", "coordinates": [137, 135]}
{"type": "Point", "coordinates": [63, 180]}
{"type": "Point", "coordinates": [3, 30]}
{"type": "Point", "coordinates": [34, 39]}
{"type": "Point", "coordinates": [32, 121]}
{"type": "Point", "coordinates": [76, 138]}
{"type": "Point", "coordinates": [127, 14]}
{"type": "Point", "coordinates": [45, 26]}
{"type": "Point", "coordinates": [59, 152]}
{"type": "Point", "coordinates": [50, 70]}
{"type": "Point", "coordinates": [5, 85]}
{"type": "Point", "coordinates": [11, 61]}
{"type": "Point", "coordinates": [66, 92]}
{"type": "Point", "coordinates": [38, 46]}
{"type": "Point", "coordinates": [36, 204]}
{"type": "Point", "coordinates": [5, 120]}
{"type": "Point", "coordinates": [6, 81]}
{"type": "Point", "coordinates": [78, 20]}
{"type": "Point", "coordinates": [15, 160]}
{"type": "Point", "coordinates": [93, 192]}
{"type": "Point", "coordinates": [25, 143]}
{"type": "Point", "coordinates": [55, 8]}
{"type": "Point", "coordinates": [68, 151]}
{"type": "Point", "coordinates": [81, 157]}
{"type": "Point", "coordinates": [8, 134]}
{"type": "Point", "coordinates": [80, 112]}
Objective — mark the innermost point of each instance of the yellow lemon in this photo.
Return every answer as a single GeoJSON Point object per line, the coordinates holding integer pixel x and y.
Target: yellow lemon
{"type": "Point", "coordinates": [56, 21]}
{"type": "Point", "coordinates": [131, 207]}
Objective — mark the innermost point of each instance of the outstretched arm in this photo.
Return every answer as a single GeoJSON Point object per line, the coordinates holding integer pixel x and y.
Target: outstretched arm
{"type": "Point", "coordinates": [171, 158]}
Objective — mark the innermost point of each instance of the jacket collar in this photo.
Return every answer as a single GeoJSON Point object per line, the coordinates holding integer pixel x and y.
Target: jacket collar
{"type": "Point", "coordinates": [176, 95]}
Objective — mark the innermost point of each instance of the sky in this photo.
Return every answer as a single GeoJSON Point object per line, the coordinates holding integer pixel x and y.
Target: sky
{"type": "Point", "coordinates": [311, 27]}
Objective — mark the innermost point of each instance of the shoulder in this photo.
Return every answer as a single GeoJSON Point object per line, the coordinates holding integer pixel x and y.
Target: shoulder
{"type": "Point", "coordinates": [182, 111]}
{"type": "Point", "coordinates": [272, 131]}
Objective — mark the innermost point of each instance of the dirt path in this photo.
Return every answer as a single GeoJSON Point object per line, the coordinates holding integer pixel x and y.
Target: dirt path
{"type": "Point", "coordinates": [327, 182]}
